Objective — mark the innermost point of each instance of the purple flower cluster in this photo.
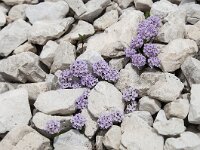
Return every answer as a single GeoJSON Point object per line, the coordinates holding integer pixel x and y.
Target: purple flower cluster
{"type": "Point", "coordinates": [82, 101]}
{"type": "Point", "coordinates": [79, 68]}
{"type": "Point", "coordinates": [78, 121]}
{"type": "Point", "coordinates": [131, 107]}
{"type": "Point", "coordinates": [102, 69]}
{"type": "Point", "coordinates": [53, 126]}
{"type": "Point", "coordinates": [89, 80]}
{"type": "Point", "coordinates": [140, 52]}
{"type": "Point", "coordinates": [105, 121]}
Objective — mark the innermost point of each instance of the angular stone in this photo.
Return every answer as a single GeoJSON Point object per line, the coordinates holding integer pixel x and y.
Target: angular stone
{"type": "Point", "coordinates": [166, 89]}
{"type": "Point", "coordinates": [114, 6]}
{"type": "Point", "coordinates": [186, 141]}
{"type": "Point", "coordinates": [2, 19]}
{"type": "Point", "coordinates": [64, 57]}
{"type": "Point", "coordinates": [161, 116]}
{"type": "Point", "coordinates": [178, 108]}
{"type": "Point", "coordinates": [24, 137]}
{"type": "Point", "coordinates": [4, 8]}
{"type": "Point", "coordinates": [14, 109]}
{"type": "Point", "coordinates": [58, 101]}
{"type": "Point", "coordinates": [139, 130]}
{"type": "Point", "coordinates": [42, 31]}
{"type": "Point", "coordinates": [118, 63]}
{"type": "Point", "coordinates": [22, 67]}
{"type": "Point", "coordinates": [144, 115]}
{"type": "Point", "coordinates": [26, 47]}
{"type": "Point", "coordinates": [149, 104]}
{"type": "Point", "coordinates": [124, 3]}
{"type": "Point", "coordinates": [104, 97]}
{"type": "Point", "coordinates": [3, 87]}
{"type": "Point", "coordinates": [171, 127]}
{"type": "Point", "coordinates": [15, 2]}
{"type": "Point", "coordinates": [48, 53]}
{"type": "Point", "coordinates": [193, 32]}
{"type": "Point", "coordinates": [143, 5]}
{"type": "Point", "coordinates": [81, 29]}
{"type": "Point", "coordinates": [99, 142]}
{"type": "Point", "coordinates": [17, 12]}
{"type": "Point", "coordinates": [175, 1]}
{"type": "Point", "coordinates": [112, 138]}
{"type": "Point", "coordinates": [56, 10]}
{"type": "Point", "coordinates": [12, 36]}
{"type": "Point", "coordinates": [174, 54]}
{"type": "Point", "coordinates": [77, 6]}
{"type": "Point", "coordinates": [178, 16]}
{"type": "Point", "coordinates": [106, 20]}
{"type": "Point", "coordinates": [72, 140]}
{"type": "Point", "coordinates": [194, 112]}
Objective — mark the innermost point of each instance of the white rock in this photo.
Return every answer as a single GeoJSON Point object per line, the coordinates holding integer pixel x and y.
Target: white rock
{"type": "Point", "coordinates": [14, 109]}
{"type": "Point", "coordinates": [112, 138]}
{"type": "Point", "coordinates": [99, 142]}
{"type": "Point", "coordinates": [3, 87]}
{"type": "Point", "coordinates": [77, 6]}
{"type": "Point", "coordinates": [140, 133]}
{"type": "Point", "coordinates": [162, 8]}
{"type": "Point", "coordinates": [114, 6]}
{"type": "Point", "coordinates": [24, 138]}
{"type": "Point", "coordinates": [15, 2]}
{"type": "Point", "coordinates": [2, 19]}
{"type": "Point", "coordinates": [4, 8]}
{"type": "Point", "coordinates": [171, 127]}
{"type": "Point", "coordinates": [82, 28]}
{"type": "Point", "coordinates": [118, 63]}
{"type": "Point", "coordinates": [106, 20]}
{"type": "Point", "coordinates": [47, 11]}
{"type": "Point", "coordinates": [191, 70]}
{"type": "Point", "coordinates": [72, 140]}
{"type": "Point", "coordinates": [166, 89]}
{"type": "Point", "coordinates": [104, 97]}
{"type": "Point", "coordinates": [124, 3]}
{"type": "Point", "coordinates": [42, 31]}
{"type": "Point", "coordinates": [187, 141]}
{"type": "Point", "coordinates": [12, 36]}
{"type": "Point", "coordinates": [17, 12]}
{"type": "Point", "coordinates": [178, 16]}
{"type": "Point", "coordinates": [149, 104]}
{"type": "Point", "coordinates": [194, 112]}
{"type": "Point", "coordinates": [58, 101]}
{"type": "Point", "coordinates": [174, 54]}
{"type": "Point", "coordinates": [178, 108]}
{"type": "Point", "coordinates": [161, 116]}
{"type": "Point", "coordinates": [26, 47]}
{"type": "Point", "coordinates": [94, 9]}
{"type": "Point", "coordinates": [22, 67]}
{"type": "Point", "coordinates": [48, 53]}
{"type": "Point", "coordinates": [193, 32]}
{"type": "Point", "coordinates": [143, 5]}
{"type": "Point", "coordinates": [64, 57]}
{"type": "Point", "coordinates": [34, 89]}
{"type": "Point", "coordinates": [183, 2]}
{"type": "Point", "coordinates": [144, 115]}
{"type": "Point", "coordinates": [90, 56]}
{"type": "Point", "coordinates": [114, 39]}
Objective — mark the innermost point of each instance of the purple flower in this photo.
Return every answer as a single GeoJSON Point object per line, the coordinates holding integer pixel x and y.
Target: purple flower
{"type": "Point", "coordinates": [117, 116]}
{"type": "Point", "coordinates": [53, 126]}
{"type": "Point", "coordinates": [131, 107]}
{"type": "Point", "coordinates": [155, 20]}
{"type": "Point", "coordinates": [137, 42]}
{"type": "Point", "coordinates": [129, 95]}
{"type": "Point", "coordinates": [112, 75]}
{"type": "Point", "coordinates": [65, 79]}
{"type": "Point", "coordinates": [82, 101]}
{"type": "Point", "coordinates": [79, 68]}
{"type": "Point", "coordinates": [138, 60]}
{"type": "Point", "coordinates": [105, 121]}
{"type": "Point", "coordinates": [78, 121]}
{"type": "Point", "coordinates": [89, 80]}
{"type": "Point", "coordinates": [129, 52]}
{"type": "Point", "coordinates": [150, 50]}
{"type": "Point", "coordinates": [154, 62]}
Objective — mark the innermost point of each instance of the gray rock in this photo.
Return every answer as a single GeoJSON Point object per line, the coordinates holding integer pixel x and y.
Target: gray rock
{"type": "Point", "coordinates": [3, 87]}
{"type": "Point", "coordinates": [15, 2]}
{"type": "Point", "coordinates": [17, 12]}
{"type": "Point", "coordinates": [22, 67]}
{"type": "Point", "coordinates": [124, 3]}
{"type": "Point", "coordinates": [144, 115]}
{"type": "Point", "coordinates": [2, 19]}
{"type": "Point", "coordinates": [193, 32]}
{"type": "Point", "coordinates": [4, 8]}
{"type": "Point", "coordinates": [104, 97]}
{"type": "Point", "coordinates": [77, 6]}
{"type": "Point", "coordinates": [90, 56]}
{"type": "Point", "coordinates": [58, 101]}
{"type": "Point", "coordinates": [26, 47]}
{"type": "Point", "coordinates": [118, 63]}
{"type": "Point", "coordinates": [175, 1]}
{"type": "Point", "coordinates": [143, 5]}
{"type": "Point", "coordinates": [72, 140]}
{"type": "Point", "coordinates": [56, 10]}
{"type": "Point", "coordinates": [161, 116]}
{"type": "Point", "coordinates": [114, 6]}
{"type": "Point", "coordinates": [99, 143]}
{"type": "Point", "coordinates": [174, 54]}
{"type": "Point", "coordinates": [24, 137]}
{"type": "Point", "coordinates": [64, 57]}
{"type": "Point", "coordinates": [183, 2]}
{"type": "Point", "coordinates": [13, 36]}
{"type": "Point", "coordinates": [14, 109]}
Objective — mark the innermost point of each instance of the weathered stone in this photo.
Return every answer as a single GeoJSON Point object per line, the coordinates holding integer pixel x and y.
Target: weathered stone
{"type": "Point", "coordinates": [112, 138]}
{"type": "Point", "coordinates": [175, 1]}
{"type": "Point", "coordinates": [58, 101]}
{"type": "Point", "coordinates": [15, 2]}
{"type": "Point", "coordinates": [193, 32]}
{"type": "Point", "coordinates": [178, 16]}
{"type": "Point", "coordinates": [64, 57]}
{"type": "Point", "coordinates": [143, 5]}
{"type": "Point", "coordinates": [72, 140]}
{"type": "Point", "coordinates": [144, 115]}
{"type": "Point", "coordinates": [114, 6]}
{"type": "Point", "coordinates": [42, 31]}
{"type": "Point", "coordinates": [3, 87]}
{"type": "Point", "coordinates": [194, 112]}
{"type": "Point", "coordinates": [22, 67]}
{"type": "Point", "coordinates": [104, 97]}
{"type": "Point", "coordinates": [124, 3]}
{"type": "Point", "coordinates": [161, 116]}
{"type": "Point", "coordinates": [178, 108]}
{"type": "Point", "coordinates": [166, 89]}
{"type": "Point", "coordinates": [174, 54]}
{"type": "Point", "coordinates": [2, 19]}
{"type": "Point", "coordinates": [26, 47]}
{"type": "Point", "coordinates": [4, 8]}
{"type": "Point", "coordinates": [12, 36]}
{"type": "Point", "coordinates": [99, 142]}
{"type": "Point", "coordinates": [106, 20]}
{"type": "Point", "coordinates": [14, 109]}
{"type": "Point", "coordinates": [149, 104]}
{"type": "Point", "coordinates": [17, 12]}
{"type": "Point", "coordinates": [186, 141]}
{"type": "Point", "coordinates": [77, 6]}
{"type": "Point", "coordinates": [25, 138]}
{"type": "Point", "coordinates": [118, 63]}
{"type": "Point", "coordinates": [171, 127]}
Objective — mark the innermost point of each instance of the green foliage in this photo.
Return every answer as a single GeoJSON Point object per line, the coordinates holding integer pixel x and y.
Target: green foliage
{"type": "Point", "coordinates": [147, 14]}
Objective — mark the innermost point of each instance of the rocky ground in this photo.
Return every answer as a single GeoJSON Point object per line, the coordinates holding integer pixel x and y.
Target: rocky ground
{"type": "Point", "coordinates": [39, 39]}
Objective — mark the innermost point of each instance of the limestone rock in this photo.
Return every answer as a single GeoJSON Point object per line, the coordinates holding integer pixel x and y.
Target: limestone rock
{"type": "Point", "coordinates": [14, 109]}
{"type": "Point", "coordinates": [2, 19]}
{"type": "Point", "coordinates": [124, 3]}
{"type": "Point", "coordinates": [193, 32]}
{"type": "Point", "coordinates": [104, 97]}
{"type": "Point", "coordinates": [58, 101]}
{"type": "Point", "coordinates": [144, 115]}
{"type": "Point", "coordinates": [3, 87]}
{"type": "Point", "coordinates": [26, 47]}
{"type": "Point", "coordinates": [15, 2]}
{"type": "Point", "coordinates": [17, 12]}
{"type": "Point", "coordinates": [143, 5]}
{"type": "Point", "coordinates": [118, 63]}
{"type": "Point", "coordinates": [161, 116]}
{"type": "Point", "coordinates": [77, 6]}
